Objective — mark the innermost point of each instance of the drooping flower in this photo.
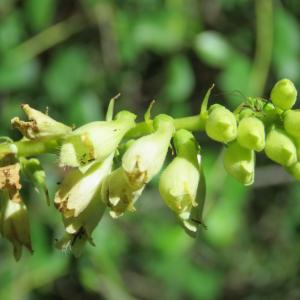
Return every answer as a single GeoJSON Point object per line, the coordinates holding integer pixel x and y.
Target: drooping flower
{"type": "Point", "coordinates": [182, 184]}
{"type": "Point", "coordinates": [145, 157]}
{"type": "Point", "coordinates": [118, 194]}
{"type": "Point", "coordinates": [39, 125]}
{"type": "Point", "coordinates": [95, 141]}
{"type": "Point", "coordinates": [79, 200]}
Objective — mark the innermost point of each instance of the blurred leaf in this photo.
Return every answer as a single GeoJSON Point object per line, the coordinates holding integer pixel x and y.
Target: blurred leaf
{"type": "Point", "coordinates": [14, 77]}
{"type": "Point", "coordinates": [180, 80]}
{"type": "Point", "coordinates": [225, 218]}
{"type": "Point", "coordinates": [86, 107]}
{"type": "Point", "coordinates": [65, 73]}
{"type": "Point", "coordinates": [40, 14]}
{"type": "Point", "coordinates": [11, 30]}
{"type": "Point", "coordinates": [235, 77]}
{"type": "Point", "coordinates": [286, 45]}
{"type": "Point", "coordinates": [214, 49]}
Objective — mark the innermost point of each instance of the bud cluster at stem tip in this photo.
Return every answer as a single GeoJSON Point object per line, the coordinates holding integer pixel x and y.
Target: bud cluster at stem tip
{"type": "Point", "coordinates": [106, 165]}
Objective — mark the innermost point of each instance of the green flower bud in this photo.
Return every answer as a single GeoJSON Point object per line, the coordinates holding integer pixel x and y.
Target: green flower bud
{"type": "Point", "coordinates": [284, 94]}
{"type": "Point", "coordinates": [280, 148]}
{"type": "Point", "coordinates": [118, 194]}
{"type": "Point", "coordinates": [39, 125]}
{"type": "Point", "coordinates": [14, 223]}
{"type": "Point", "coordinates": [251, 133]}
{"type": "Point", "coordinates": [291, 122]}
{"type": "Point", "coordinates": [95, 141]}
{"type": "Point", "coordinates": [221, 124]}
{"type": "Point", "coordinates": [294, 170]}
{"type": "Point", "coordinates": [145, 157]}
{"type": "Point", "coordinates": [239, 162]}
{"type": "Point", "coordinates": [179, 183]}
{"type": "Point", "coordinates": [78, 189]}
{"type": "Point", "coordinates": [34, 172]}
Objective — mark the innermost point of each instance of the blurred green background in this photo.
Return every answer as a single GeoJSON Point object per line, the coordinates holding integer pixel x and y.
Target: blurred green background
{"type": "Point", "coordinates": [72, 57]}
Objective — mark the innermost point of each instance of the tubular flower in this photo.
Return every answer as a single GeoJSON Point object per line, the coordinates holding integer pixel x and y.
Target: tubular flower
{"type": "Point", "coordinates": [294, 170]}
{"type": "Point", "coordinates": [251, 133]}
{"type": "Point", "coordinates": [280, 148]}
{"type": "Point", "coordinates": [79, 200]}
{"type": "Point", "coordinates": [284, 94]}
{"type": "Point", "coordinates": [239, 162]}
{"type": "Point", "coordinates": [118, 194]}
{"type": "Point", "coordinates": [39, 125]}
{"type": "Point", "coordinates": [95, 141]}
{"type": "Point", "coordinates": [145, 157]}
{"type": "Point", "coordinates": [221, 124]}
{"type": "Point", "coordinates": [181, 183]}
{"type": "Point", "coordinates": [14, 222]}
{"type": "Point", "coordinates": [78, 189]}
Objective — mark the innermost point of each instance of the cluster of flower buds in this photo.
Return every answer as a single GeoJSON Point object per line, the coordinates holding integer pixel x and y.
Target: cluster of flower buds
{"type": "Point", "coordinates": [107, 164]}
{"type": "Point", "coordinates": [258, 125]}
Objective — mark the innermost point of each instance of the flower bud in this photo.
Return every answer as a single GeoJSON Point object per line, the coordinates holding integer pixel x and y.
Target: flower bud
{"type": "Point", "coordinates": [251, 133]}
{"type": "Point", "coordinates": [118, 194]}
{"type": "Point", "coordinates": [145, 157]}
{"type": "Point", "coordinates": [294, 170]}
{"type": "Point", "coordinates": [280, 148]}
{"type": "Point", "coordinates": [78, 189]}
{"type": "Point", "coordinates": [291, 122]}
{"type": "Point", "coordinates": [39, 125]}
{"type": "Point", "coordinates": [239, 162]}
{"type": "Point", "coordinates": [34, 172]}
{"type": "Point", "coordinates": [14, 223]}
{"type": "Point", "coordinates": [95, 141]}
{"type": "Point", "coordinates": [221, 124]}
{"type": "Point", "coordinates": [284, 94]}
{"type": "Point", "coordinates": [179, 183]}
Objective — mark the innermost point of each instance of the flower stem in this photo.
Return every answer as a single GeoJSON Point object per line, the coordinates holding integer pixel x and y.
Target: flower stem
{"type": "Point", "coordinates": [29, 148]}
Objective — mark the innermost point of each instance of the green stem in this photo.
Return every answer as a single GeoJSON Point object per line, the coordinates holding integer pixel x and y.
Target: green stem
{"type": "Point", "coordinates": [264, 42]}
{"type": "Point", "coordinates": [29, 148]}
{"type": "Point", "coordinates": [192, 123]}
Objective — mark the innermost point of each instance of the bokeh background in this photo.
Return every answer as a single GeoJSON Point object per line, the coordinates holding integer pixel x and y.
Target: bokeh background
{"type": "Point", "coordinates": [72, 57]}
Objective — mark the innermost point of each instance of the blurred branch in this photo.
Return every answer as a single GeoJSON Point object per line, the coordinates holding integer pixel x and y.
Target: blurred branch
{"type": "Point", "coordinates": [264, 43]}
{"type": "Point", "coordinates": [46, 39]}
